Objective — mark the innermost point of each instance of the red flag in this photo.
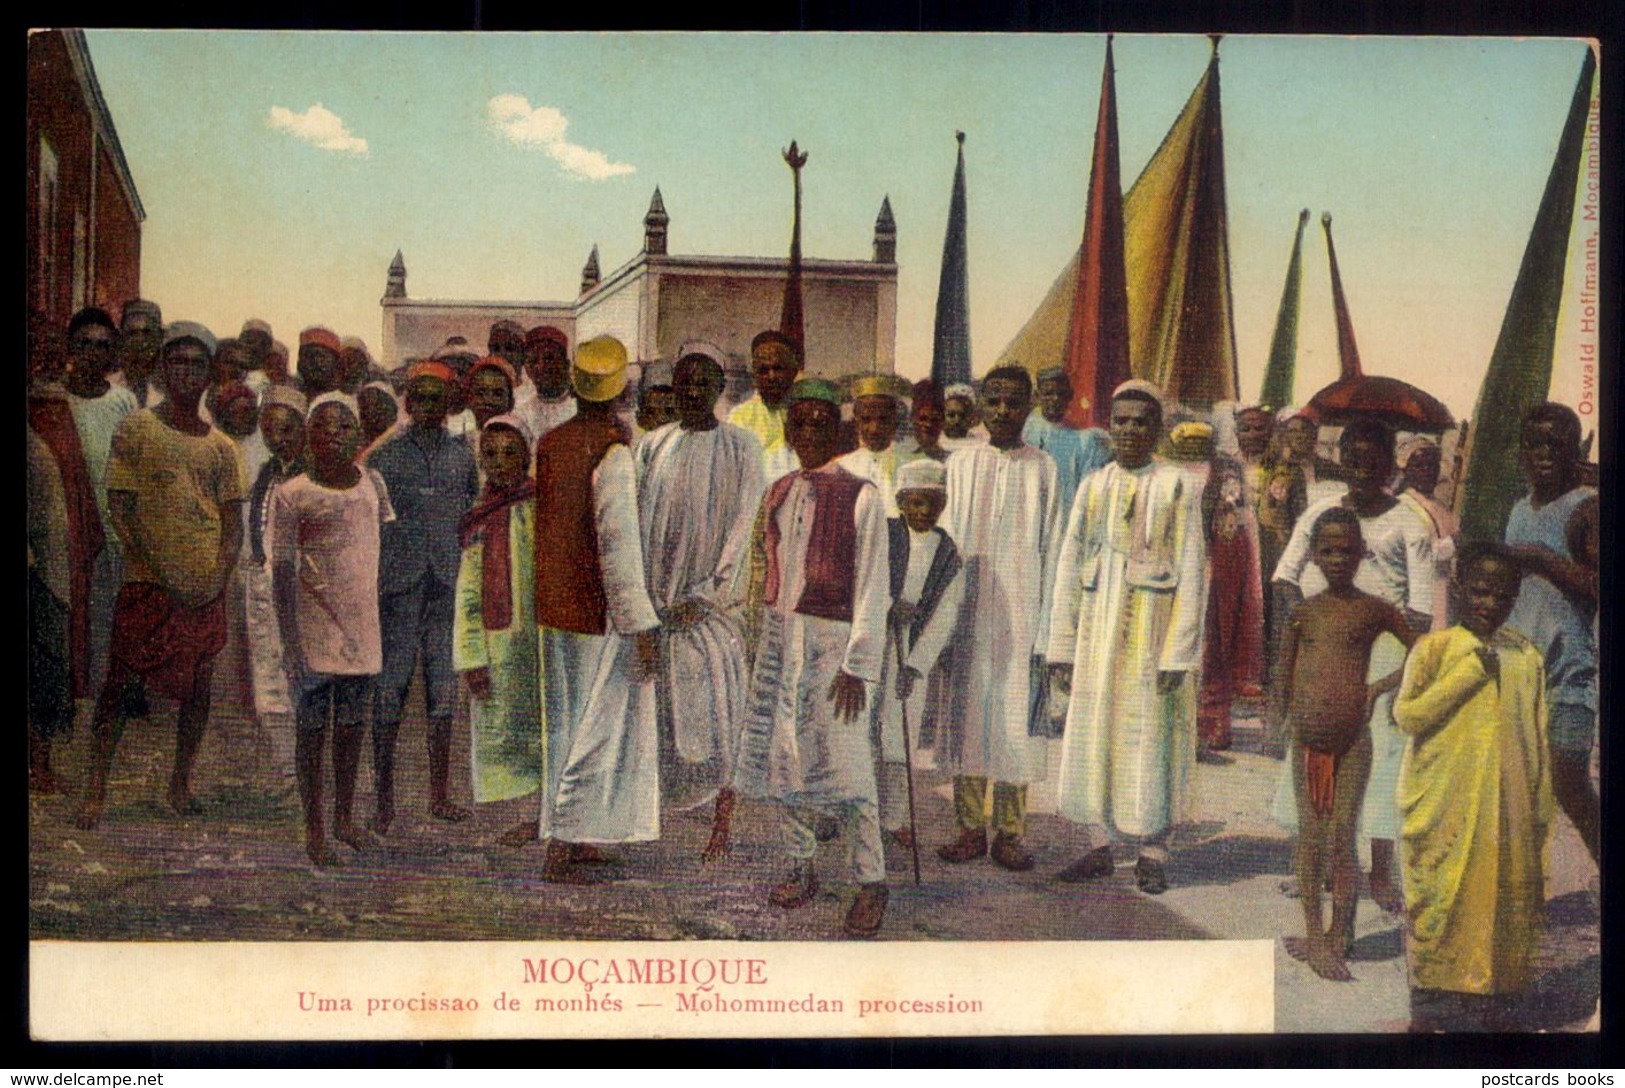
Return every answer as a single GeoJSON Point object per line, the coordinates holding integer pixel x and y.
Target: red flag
{"type": "Point", "coordinates": [1347, 353]}
{"type": "Point", "coordinates": [1097, 355]}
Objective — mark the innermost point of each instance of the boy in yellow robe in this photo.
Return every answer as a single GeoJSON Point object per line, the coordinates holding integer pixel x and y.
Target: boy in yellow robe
{"type": "Point", "coordinates": [1475, 796]}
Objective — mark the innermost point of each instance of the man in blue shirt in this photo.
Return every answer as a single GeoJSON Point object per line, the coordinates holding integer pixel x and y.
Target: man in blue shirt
{"type": "Point", "coordinates": [432, 482]}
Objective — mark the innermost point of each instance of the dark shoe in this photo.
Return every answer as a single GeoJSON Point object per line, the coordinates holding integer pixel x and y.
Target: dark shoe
{"type": "Point", "coordinates": [826, 828]}
{"type": "Point", "coordinates": [559, 868]}
{"type": "Point", "coordinates": [586, 854]}
{"type": "Point", "coordinates": [1212, 758]}
{"type": "Point", "coordinates": [450, 813]}
{"type": "Point", "coordinates": [971, 844]}
{"type": "Point", "coordinates": [1149, 875]}
{"type": "Point", "coordinates": [1092, 866]}
{"type": "Point", "coordinates": [134, 703]}
{"type": "Point", "coordinates": [1010, 854]}
{"type": "Point", "coordinates": [868, 911]}
{"type": "Point", "coordinates": [520, 835]}
{"type": "Point", "coordinates": [356, 838]}
{"type": "Point", "coordinates": [798, 890]}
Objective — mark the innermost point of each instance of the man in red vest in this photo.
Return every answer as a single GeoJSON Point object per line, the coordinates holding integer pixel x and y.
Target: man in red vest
{"type": "Point", "coordinates": [822, 577]}
{"type": "Point", "coordinates": [589, 587]}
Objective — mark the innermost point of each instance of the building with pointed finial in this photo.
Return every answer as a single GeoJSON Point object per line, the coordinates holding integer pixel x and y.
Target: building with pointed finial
{"type": "Point", "coordinates": [885, 234]}
{"type": "Point", "coordinates": [395, 286]}
{"type": "Point", "coordinates": [589, 271]}
{"type": "Point", "coordinates": [654, 226]}
{"type": "Point", "coordinates": [657, 301]}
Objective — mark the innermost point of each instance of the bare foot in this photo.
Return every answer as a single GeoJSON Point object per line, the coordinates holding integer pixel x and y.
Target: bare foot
{"type": "Point", "coordinates": [719, 846]}
{"type": "Point", "coordinates": [584, 853]}
{"type": "Point", "coordinates": [320, 856]}
{"type": "Point", "coordinates": [89, 816]}
{"type": "Point", "coordinates": [521, 835]}
{"type": "Point", "coordinates": [1328, 964]}
{"type": "Point", "coordinates": [182, 801]}
{"type": "Point", "coordinates": [452, 814]}
{"type": "Point", "coordinates": [352, 836]}
{"type": "Point", "coordinates": [379, 824]}
{"type": "Point", "coordinates": [1385, 895]}
{"type": "Point", "coordinates": [1297, 947]}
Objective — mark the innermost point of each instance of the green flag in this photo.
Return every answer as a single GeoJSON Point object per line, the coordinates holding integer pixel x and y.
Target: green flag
{"type": "Point", "coordinates": [1281, 369]}
{"type": "Point", "coordinates": [1520, 372]}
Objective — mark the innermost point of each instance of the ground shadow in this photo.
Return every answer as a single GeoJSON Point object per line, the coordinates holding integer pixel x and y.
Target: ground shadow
{"type": "Point", "coordinates": [1374, 947]}
{"type": "Point", "coordinates": [1231, 859]}
{"type": "Point", "coordinates": [1561, 997]}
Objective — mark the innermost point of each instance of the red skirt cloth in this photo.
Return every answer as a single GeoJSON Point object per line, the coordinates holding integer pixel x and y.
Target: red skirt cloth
{"type": "Point", "coordinates": [162, 641]}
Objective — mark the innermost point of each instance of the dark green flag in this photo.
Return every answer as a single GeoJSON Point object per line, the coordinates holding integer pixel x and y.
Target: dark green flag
{"type": "Point", "coordinates": [1520, 372]}
{"type": "Point", "coordinates": [1281, 370]}
{"type": "Point", "coordinates": [950, 346]}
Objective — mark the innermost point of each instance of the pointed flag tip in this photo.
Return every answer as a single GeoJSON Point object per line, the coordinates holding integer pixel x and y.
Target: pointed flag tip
{"type": "Point", "coordinates": [1326, 219]}
{"type": "Point", "coordinates": [959, 135]}
{"type": "Point", "coordinates": [1303, 216]}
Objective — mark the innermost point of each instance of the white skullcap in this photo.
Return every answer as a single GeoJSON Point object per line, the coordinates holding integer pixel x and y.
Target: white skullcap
{"type": "Point", "coordinates": [923, 474]}
{"type": "Point", "coordinates": [335, 396]}
{"type": "Point", "coordinates": [1139, 385]}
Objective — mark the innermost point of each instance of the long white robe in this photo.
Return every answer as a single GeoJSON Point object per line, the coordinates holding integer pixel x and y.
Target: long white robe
{"type": "Point", "coordinates": [609, 787]}
{"type": "Point", "coordinates": [1130, 597]}
{"type": "Point", "coordinates": [697, 497]}
{"type": "Point", "coordinates": [1004, 514]}
{"type": "Point", "coordinates": [793, 748]}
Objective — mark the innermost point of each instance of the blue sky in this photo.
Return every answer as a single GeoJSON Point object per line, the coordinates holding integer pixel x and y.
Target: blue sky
{"type": "Point", "coordinates": [1430, 153]}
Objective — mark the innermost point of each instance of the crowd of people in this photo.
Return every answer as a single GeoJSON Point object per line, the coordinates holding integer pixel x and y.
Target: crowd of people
{"type": "Point", "coordinates": [642, 600]}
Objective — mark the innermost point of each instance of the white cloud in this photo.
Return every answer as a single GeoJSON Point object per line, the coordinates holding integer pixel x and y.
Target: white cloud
{"type": "Point", "coordinates": [543, 127]}
{"type": "Point", "coordinates": [319, 126]}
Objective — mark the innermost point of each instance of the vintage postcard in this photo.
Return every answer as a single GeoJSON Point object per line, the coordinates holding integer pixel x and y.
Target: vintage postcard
{"type": "Point", "coordinates": [659, 535]}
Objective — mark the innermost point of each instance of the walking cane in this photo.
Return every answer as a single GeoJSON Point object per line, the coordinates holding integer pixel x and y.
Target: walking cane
{"type": "Point", "coordinates": [908, 758]}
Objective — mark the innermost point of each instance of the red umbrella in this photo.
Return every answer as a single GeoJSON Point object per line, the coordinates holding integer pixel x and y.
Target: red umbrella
{"type": "Point", "coordinates": [1399, 404]}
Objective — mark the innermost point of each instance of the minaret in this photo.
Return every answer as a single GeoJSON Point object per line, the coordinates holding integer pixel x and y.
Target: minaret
{"type": "Point", "coordinates": [589, 271]}
{"type": "Point", "coordinates": [885, 234]}
{"type": "Point", "coordinates": [395, 286]}
{"type": "Point", "coordinates": [654, 227]}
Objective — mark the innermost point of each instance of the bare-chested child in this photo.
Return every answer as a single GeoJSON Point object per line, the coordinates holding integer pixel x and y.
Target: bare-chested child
{"type": "Point", "coordinates": [1322, 693]}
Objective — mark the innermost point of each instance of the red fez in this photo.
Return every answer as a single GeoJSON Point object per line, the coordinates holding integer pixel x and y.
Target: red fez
{"type": "Point", "coordinates": [321, 337]}
{"type": "Point", "coordinates": [497, 363]}
{"type": "Point", "coordinates": [547, 334]}
{"type": "Point", "coordinates": [429, 368]}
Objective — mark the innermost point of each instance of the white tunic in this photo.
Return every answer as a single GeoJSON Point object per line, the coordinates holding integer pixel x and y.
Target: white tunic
{"type": "Point", "coordinates": [697, 497]}
{"type": "Point", "coordinates": [794, 749]}
{"type": "Point", "coordinates": [922, 656]}
{"type": "Point", "coordinates": [1004, 514]}
{"type": "Point", "coordinates": [1130, 598]}
{"type": "Point", "coordinates": [879, 469]}
{"type": "Point", "coordinates": [609, 790]}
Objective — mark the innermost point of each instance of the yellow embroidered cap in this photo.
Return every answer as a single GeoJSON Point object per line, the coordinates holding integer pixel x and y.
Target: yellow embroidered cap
{"type": "Point", "coordinates": [599, 370]}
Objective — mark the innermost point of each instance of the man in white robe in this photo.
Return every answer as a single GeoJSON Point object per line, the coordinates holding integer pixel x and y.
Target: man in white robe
{"type": "Point", "coordinates": [600, 631]}
{"type": "Point", "coordinates": [875, 413]}
{"type": "Point", "coordinates": [699, 484]}
{"type": "Point", "coordinates": [1004, 514]}
{"type": "Point", "coordinates": [1126, 643]}
{"type": "Point", "coordinates": [774, 362]}
{"type": "Point", "coordinates": [824, 598]}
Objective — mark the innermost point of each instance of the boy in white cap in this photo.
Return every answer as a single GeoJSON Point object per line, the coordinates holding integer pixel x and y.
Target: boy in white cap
{"type": "Point", "coordinates": [926, 593]}
{"type": "Point", "coordinates": [325, 544]}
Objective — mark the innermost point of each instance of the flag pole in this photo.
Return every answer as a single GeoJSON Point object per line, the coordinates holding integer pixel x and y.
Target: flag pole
{"type": "Point", "coordinates": [908, 756]}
